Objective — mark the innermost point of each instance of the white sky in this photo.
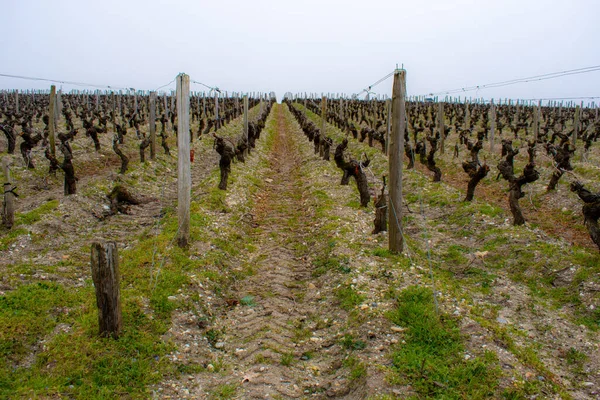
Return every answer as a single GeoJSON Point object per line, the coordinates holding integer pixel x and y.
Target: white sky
{"type": "Point", "coordinates": [304, 46]}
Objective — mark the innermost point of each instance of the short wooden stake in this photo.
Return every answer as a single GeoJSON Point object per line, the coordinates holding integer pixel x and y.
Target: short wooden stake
{"type": "Point", "coordinates": [105, 274]}
{"type": "Point", "coordinates": [8, 214]}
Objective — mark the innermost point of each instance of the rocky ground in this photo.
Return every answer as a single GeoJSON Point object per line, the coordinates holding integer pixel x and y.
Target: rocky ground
{"type": "Point", "coordinates": [287, 294]}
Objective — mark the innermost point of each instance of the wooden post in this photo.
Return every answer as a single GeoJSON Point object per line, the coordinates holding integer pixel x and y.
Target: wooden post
{"type": "Point", "coordinates": [165, 111]}
{"type": "Point", "coordinates": [492, 126]}
{"type": "Point", "coordinates": [441, 126]}
{"type": "Point", "coordinates": [97, 99]}
{"type": "Point", "coordinates": [17, 101]}
{"type": "Point", "coordinates": [576, 125]}
{"type": "Point", "coordinates": [246, 121]}
{"type": "Point", "coordinates": [396, 149]}
{"type": "Point", "coordinates": [217, 124]}
{"type": "Point", "coordinates": [388, 107]}
{"type": "Point", "coordinates": [152, 125]}
{"type": "Point", "coordinates": [184, 178]}
{"type": "Point", "coordinates": [58, 107]}
{"type": "Point", "coordinates": [114, 111]}
{"type": "Point", "coordinates": [323, 123]}
{"type": "Point", "coordinates": [105, 274]}
{"type": "Point", "coordinates": [261, 104]}
{"type": "Point", "coordinates": [8, 214]}
{"type": "Point", "coordinates": [51, 122]}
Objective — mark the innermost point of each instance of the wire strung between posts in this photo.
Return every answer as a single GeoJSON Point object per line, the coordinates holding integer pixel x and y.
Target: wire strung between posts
{"type": "Point", "coordinates": [565, 98]}
{"type": "Point", "coordinates": [64, 82]}
{"type": "Point", "coordinates": [160, 87]}
{"type": "Point", "coordinates": [543, 77]}
{"type": "Point", "coordinates": [368, 89]}
{"type": "Point", "coordinates": [205, 85]}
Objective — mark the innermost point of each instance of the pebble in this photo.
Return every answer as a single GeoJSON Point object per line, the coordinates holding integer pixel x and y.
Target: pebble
{"type": "Point", "coordinates": [210, 368]}
{"type": "Point", "coordinates": [397, 329]}
{"type": "Point", "coordinates": [501, 320]}
{"type": "Point", "coordinates": [219, 345]}
{"type": "Point", "coordinates": [588, 384]}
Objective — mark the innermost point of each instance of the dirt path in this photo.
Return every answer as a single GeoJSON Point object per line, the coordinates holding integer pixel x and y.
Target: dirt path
{"type": "Point", "coordinates": [282, 339]}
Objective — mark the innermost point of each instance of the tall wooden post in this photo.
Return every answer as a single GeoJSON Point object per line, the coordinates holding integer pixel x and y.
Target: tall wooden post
{"type": "Point", "coordinates": [323, 124]}
{"type": "Point", "coordinates": [184, 178]}
{"type": "Point", "coordinates": [114, 110]}
{"type": "Point", "coordinates": [105, 274]}
{"type": "Point", "coordinates": [492, 126]}
{"type": "Point", "coordinates": [52, 122]}
{"type": "Point", "coordinates": [58, 107]}
{"type": "Point", "coordinates": [165, 111]}
{"type": "Point", "coordinates": [388, 107]}
{"type": "Point", "coordinates": [246, 121]}
{"type": "Point", "coordinates": [17, 101]}
{"type": "Point", "coordinates": [217, 123]}
{"type": "Point", "coordinates": [152, 125]}
{"type": "Point", "coordinates": [441, 126]}
{"type": "Point", "coordinates": [396, 150]}
{"type": "Point", "coordinates": [8, 214]}
{"type": "Point", "coordinates": [576, 125]}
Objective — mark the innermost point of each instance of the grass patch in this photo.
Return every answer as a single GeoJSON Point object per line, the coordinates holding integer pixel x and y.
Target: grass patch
{"type": "Point", "coordinates": [432, 359]}
{"type": "Point", "coordinates": [36, 215]}
{"type": "Point", "coordinates": [224, 392]}
{"type": "Point", "coordinates": [348, 297]}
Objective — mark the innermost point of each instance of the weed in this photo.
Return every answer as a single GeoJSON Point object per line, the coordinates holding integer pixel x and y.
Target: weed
{"type": "Point", "coordinates": [431, 359]}
{"type": "Point", "coordinates": [349, 343]}
{"type": "Point", "coordinates": [223, 392]}
{"type": "Point", "coordinates": [348, 297]}
{"type": "Point", "coordinates": [287, 359]}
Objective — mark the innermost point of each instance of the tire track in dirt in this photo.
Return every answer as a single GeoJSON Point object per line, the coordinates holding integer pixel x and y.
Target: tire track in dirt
{"type": "Point", "coordinates": [283, 339]}
{"type": "Point", "coordinates": [272, 352]}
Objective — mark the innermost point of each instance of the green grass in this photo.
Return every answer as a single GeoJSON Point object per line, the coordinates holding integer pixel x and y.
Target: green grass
{"type": "Point", "coordinates": [36, 215]}
{"type": "Point", "coordinates": [431, 360]}
{"type": "Point", "coordinates": [287, 359]}
{"type": "Point", "coordinates": [10, 237]}
{"type": "Point", "coordinates": [357, 368]}
{"type": "Point", "coordinates": [223, 392]}
{"type": "Point", "coordinates": [349, 343]}
{"type": "Point", "coordinates": [348, 297]}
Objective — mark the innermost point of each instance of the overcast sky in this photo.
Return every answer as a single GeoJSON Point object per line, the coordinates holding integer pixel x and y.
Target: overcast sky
{"type": "Point", "coordinates": [304, 46]}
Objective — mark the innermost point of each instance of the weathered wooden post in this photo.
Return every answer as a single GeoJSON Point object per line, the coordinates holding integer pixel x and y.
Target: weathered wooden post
{"type": "Point", "coordinates": [217, 123]}
{"type": "Point", "coordinates": [441, 126]}
{"type": "Point", "coordinates": [492, 126]}
{"type": "Point", "coordinates": [246, 123]}
{"type": "Point", "coordinates": [8, 214]}
{"type": "Point", "coordinates": [323, 124]}
{"type": "Point", "coordinates": [58, 107]}
{"type": "Point", "coordinates": [184, 178]}
{"type": "Point", "coordinates": [17, 101]}
{"type": "Point", "coordinates": [114, 110]}
{"type": "Point", "coordinates": [388, 107]}
{"type": "Point", "coordinates": [152, 125]}
{"type": "Point", "coordinates": [165, 111]}
{"type": "Point", "coordinates": [576, 125]}
{"type": "Point", "coordinates": [51, 122]}
{"type": "Point", "coordinates": [396, 149]}
{"type": "Point", "coordinates": [105, 274]}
